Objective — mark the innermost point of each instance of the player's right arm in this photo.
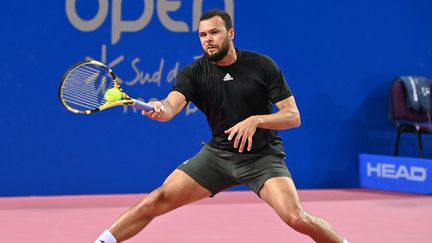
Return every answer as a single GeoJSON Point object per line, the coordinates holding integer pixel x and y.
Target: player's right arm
{"type": "Point", "coordinates": [166, 109]}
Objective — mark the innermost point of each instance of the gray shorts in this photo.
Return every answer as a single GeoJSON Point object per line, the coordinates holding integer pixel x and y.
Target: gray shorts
{"type": "Point", "coordinates": [217, 170]}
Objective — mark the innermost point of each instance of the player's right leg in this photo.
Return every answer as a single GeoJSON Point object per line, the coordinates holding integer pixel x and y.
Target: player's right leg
{"type": "Point", "coordinates": [178, 189]}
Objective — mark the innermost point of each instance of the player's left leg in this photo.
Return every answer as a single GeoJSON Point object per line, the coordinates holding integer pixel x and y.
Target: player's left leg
{"type": "Point", "coordinates": [280, 193]}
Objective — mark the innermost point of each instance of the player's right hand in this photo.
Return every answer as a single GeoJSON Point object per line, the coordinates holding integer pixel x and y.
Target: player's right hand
{"type": "Point", "coordinates": [158, 111]}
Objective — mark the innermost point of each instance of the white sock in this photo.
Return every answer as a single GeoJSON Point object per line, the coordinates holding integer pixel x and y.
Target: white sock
{"type": "Point", "coordinates": [345, 241]}
{"type": "Point", "coordinates": [106, 237]}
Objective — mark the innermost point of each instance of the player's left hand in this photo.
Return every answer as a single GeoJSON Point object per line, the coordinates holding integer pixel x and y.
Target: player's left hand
{"type": "Point", "coordinates": [243, 131]}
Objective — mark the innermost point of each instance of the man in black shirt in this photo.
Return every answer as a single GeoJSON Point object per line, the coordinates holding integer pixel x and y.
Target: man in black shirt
{"type": "Point", "coordinates": [235, 90]}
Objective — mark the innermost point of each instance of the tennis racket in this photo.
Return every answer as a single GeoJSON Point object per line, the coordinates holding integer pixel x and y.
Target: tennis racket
{"type": "Point", "coordinates": [83, 87]}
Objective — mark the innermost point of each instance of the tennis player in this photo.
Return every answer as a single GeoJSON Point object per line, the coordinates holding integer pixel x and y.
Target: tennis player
{"type": "Point", "coordinates": [235, 89]}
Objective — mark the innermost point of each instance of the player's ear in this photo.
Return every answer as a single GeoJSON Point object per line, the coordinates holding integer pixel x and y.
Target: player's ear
{"type": "Point", "coordinates": [231, 33]}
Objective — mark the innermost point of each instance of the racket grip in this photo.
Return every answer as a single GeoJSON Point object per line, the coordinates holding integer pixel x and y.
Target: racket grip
{"type": "Point", "coordinates": [141, 105]}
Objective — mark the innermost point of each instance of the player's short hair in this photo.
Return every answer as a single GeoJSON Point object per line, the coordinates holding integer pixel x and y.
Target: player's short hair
{"type": "Point", "coordinates": [218, 12]}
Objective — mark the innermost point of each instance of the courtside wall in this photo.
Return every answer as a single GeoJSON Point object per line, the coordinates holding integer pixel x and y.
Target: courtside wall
{"type": "Point", "coordinates": [339, 58]}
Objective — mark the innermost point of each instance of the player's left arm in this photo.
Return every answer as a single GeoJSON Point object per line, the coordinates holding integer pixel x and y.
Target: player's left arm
{"type": "Point", "coordinates": [286, 117]}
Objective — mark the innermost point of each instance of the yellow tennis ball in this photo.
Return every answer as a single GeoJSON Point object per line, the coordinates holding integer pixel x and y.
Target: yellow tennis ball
{"type": "Point", "coordinates": [113, 94]}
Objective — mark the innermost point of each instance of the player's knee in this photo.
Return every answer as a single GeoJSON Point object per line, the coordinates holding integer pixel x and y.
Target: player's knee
{"type": "Point", "coordinates": [296, 219]}
{"type": "Point", "coordinates": [154, 204]}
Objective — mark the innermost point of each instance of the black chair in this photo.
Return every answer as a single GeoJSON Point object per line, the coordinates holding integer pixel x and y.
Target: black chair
{"type": "Point", "coordinates": [406, 119]}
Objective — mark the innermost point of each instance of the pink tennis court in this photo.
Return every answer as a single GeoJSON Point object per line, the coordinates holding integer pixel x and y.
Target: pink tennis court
{"type": "Point", "coordinates": [360, 215]}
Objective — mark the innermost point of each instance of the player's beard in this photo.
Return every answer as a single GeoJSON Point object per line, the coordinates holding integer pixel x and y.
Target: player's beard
{"type": "Point", "coordinates": [223, 51]}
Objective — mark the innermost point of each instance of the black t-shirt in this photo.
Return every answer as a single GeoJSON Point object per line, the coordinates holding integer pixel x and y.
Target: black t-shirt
{"type": "Point", "coordinates": [228, 95]}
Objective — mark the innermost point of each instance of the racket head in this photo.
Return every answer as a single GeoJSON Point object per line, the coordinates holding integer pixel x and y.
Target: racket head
{"type": "Point", "coordinates": [83, 87]}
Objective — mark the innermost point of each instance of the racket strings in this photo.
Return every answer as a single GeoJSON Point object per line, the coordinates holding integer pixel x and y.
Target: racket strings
{"type": "Point", "coordinates": [74, 90]}
{"type": "Point", "coordinates": [84, 88]}
{"type": "Point", "coordinates": [84, 95]}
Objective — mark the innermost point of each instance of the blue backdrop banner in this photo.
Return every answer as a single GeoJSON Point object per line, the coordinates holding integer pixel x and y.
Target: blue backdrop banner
{"type": "Point", "coordinates": [339, 59]}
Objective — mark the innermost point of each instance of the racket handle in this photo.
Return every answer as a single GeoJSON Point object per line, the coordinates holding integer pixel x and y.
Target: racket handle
{"type": "Point", "coordinates": [141, 105]}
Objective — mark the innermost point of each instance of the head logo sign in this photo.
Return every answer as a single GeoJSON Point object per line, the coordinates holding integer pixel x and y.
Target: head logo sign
{"type": "Point", "coordinates": [163, 7]}
{"type": "Point", "coordinates": [392, 171]}
{"type": "Point", "coordinates": [401, 174]}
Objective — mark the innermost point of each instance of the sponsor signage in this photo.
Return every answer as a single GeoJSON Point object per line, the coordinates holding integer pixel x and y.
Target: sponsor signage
{"type": "Point", "coordinates": [400, 174]}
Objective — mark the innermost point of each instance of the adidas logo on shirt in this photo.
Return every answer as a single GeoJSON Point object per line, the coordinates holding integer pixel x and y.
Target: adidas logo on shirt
{"type": "Point", "coordinates": [228, 77]}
